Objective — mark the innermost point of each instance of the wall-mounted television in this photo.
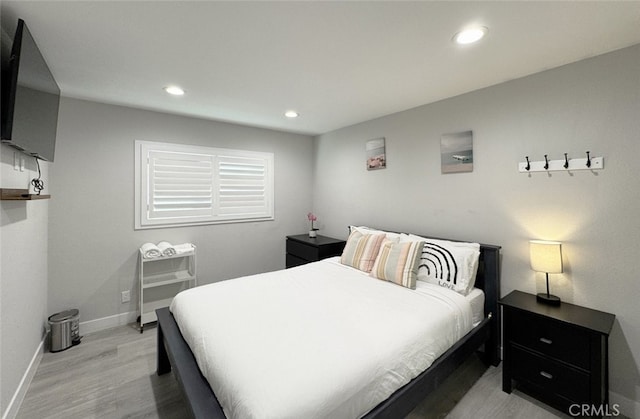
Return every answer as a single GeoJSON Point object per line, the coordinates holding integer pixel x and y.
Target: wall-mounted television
{"type": "Point", "coordinates": [30, 98]}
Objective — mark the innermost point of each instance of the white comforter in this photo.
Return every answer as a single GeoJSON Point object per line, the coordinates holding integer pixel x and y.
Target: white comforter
{"type": "Point", "coordinates": [318, 341]}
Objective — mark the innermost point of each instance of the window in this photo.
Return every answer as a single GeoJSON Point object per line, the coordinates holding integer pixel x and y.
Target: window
{"type": "Point", "coordinates": [186, 185]}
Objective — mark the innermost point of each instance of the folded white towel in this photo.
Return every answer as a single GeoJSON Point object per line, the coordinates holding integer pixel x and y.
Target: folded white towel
{"type": "Point", "coordinates": [183, 248]}
{"type": "Point", "coordinates": [150, 251]}
{"type": "Point", "coordinates": [166, 248]}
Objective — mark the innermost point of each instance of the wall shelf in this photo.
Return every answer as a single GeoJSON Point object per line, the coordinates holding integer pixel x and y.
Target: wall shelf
{"type": "Point", "coordinates": [7, 194]}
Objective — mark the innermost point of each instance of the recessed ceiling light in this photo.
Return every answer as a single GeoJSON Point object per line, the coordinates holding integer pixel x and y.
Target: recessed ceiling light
{"type": "Point", "coordinates": [291, 114]}
{"type": "Point", "coordinates": [471, 35]}
{"type": "Point", "coordinates": [174, 90]}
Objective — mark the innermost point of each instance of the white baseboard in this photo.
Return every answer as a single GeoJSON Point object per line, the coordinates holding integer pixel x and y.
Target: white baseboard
{"type": "Point", "coordinates": [629, 408]}
{"type": "Point", "coordinates": [104, 323]}
{"type": "Point", "coordinates": [16, 401]}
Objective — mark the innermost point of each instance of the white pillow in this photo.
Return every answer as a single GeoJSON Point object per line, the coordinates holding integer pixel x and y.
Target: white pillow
{"type": "Point", "coordinates": [452, 265]}
{"type": "Point", "coordinates": [395, 237]}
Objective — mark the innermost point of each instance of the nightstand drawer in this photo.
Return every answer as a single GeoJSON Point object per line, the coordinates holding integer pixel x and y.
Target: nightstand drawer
{"type": "Point", "coordinates": [550, 376]}
{"type": "Point", "coordinates": [303, 251]}
{"type": "Point", "coordinates": [563, 342]}
{"type": "Point", "coordinates": [292, 261]}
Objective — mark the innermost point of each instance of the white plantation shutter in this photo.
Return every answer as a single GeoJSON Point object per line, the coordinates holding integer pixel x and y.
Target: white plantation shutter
{"type": "Point", "coordinates": [243, 186]}
{"type": "Point", "coordinates": [185, 185]}
{"type": "Point", "coordinates": [180, 185]}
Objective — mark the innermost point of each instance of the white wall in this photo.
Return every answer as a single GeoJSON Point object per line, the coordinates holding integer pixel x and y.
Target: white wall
{"type": "Point", "coordinates": [590, 105]}
{"type": "Point", "coordinates": [23, 277]}
{"type": "Point", "coordinates": [92, 244]}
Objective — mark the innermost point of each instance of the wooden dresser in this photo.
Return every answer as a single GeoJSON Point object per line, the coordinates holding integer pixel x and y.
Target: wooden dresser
{"type": "Point", "coordinates": [558, 354]}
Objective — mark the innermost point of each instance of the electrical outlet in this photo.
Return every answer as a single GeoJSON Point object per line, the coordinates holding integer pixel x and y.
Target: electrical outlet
{"type": "Point", "coordinates": [126, 296]}
{"type": "Point", "coordinates": [16, 161]}
{"type": "Point", "coordinates": [22, 164]}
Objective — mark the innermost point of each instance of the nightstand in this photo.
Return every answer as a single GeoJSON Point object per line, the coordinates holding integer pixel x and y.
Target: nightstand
{"type": "Point", "coordinates": [303, 249]}
{"type": "Point", "coordinates": [558, 354]}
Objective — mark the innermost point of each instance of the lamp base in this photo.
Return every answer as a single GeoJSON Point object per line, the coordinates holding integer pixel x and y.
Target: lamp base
{"type": "Point", "coordinates": [548, 299]}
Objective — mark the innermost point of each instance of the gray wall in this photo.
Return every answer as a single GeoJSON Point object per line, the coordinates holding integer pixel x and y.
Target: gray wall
{"type": "Point", "coordinates": [23, 266]}
{"type": "Point", "coordinates": [92, 244]}
{"type": "Point", "coordinates": [23, 274]}
{"type": "Point", "coordinates": [590, 105]}
{"type": "Point", "coordinates": [79, 249]}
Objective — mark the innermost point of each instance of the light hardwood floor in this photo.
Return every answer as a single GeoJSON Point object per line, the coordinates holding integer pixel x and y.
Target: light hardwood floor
{"type": "Point", "coordinates": [111, 374]}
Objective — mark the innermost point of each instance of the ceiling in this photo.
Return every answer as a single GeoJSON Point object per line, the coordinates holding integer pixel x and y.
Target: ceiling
{"type": "Point", "coordinates": [336, 63]}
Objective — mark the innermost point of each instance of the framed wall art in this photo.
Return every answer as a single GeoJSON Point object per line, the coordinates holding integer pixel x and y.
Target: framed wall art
{"type": "Point", "coordinates": [376, 154]}
{"type": "Point", "coordinates": [456, 152]}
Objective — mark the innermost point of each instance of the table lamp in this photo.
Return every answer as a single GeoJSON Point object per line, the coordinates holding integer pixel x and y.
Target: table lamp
{"type": "Point", "coordinates": [546, 256]}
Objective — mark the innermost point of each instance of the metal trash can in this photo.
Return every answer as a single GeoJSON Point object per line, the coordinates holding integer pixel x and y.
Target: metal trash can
{"type": "Point", "coordinates": [65, 330]}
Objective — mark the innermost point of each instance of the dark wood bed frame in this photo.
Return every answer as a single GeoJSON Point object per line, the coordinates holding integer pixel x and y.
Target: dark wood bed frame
{"type": "Point", "coordinates": [173, 352]}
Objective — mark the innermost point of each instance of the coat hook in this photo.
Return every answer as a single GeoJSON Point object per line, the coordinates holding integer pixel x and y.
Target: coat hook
{"type": "Point", "coordinates": [546, 163]}
{"type": "Point", "coordinates": [528, 167]}
{"type": "Point", "coordinates": [566, 161]}
{"type": "Point", "coordinates": [588, 160]}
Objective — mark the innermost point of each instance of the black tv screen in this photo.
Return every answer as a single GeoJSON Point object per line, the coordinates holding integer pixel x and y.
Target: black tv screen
{"type": "Point", "coordinates": [30, 98]}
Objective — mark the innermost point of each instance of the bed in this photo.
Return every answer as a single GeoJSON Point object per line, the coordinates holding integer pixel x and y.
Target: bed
{"type": "Point", "coordinates": [174, 353]}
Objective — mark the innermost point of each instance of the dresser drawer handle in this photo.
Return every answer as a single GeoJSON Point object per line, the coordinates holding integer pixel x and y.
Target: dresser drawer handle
{"type": "Point", "coordinates": [546, 375]}
{"type": "Point", "coordinates": [547, 341]}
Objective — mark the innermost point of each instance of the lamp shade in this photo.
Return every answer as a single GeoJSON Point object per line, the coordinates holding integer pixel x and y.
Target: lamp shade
{"type": "Point", "coordinates": [546, 256]}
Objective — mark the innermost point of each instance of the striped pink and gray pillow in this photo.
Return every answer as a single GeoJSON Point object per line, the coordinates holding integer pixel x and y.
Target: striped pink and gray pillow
{"type": "Point", "coordinates": [398, 263]}
{"type": "Point", "coordinates": [361, 250]}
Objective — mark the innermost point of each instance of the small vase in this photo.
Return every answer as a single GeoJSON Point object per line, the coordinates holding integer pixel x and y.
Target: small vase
{"type": "Point", "coordinates": [313, 233]}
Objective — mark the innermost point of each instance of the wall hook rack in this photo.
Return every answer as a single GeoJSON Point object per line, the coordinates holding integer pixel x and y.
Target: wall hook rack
{"type": "Point", "coordinates": [566, 164]}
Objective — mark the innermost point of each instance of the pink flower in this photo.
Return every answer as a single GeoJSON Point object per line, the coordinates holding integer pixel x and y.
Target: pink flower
{"type": "Point", "coordinates": [311, 217]}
